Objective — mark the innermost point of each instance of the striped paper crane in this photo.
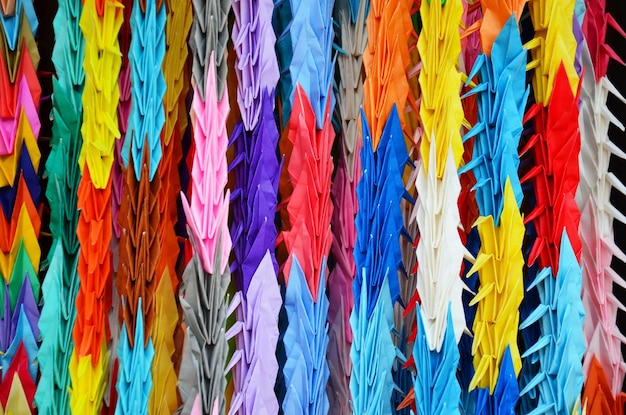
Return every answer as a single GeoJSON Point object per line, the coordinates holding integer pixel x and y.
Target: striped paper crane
{"type": "Point", "coordinates": [604, 339]}
{"type": "Point", "coordinates": [206, 277]}
{"type": "Point", "coordinates": [100, 23]}
{"type": "Point", "coordinates": [438, 283]}
{"type": "Point", "coordinates": [502, 96]}
{"type": "Point", "coordinates": [307, 104]}
{"type": "Point", "coordinates": [254, 200]}
{"type": "Point", "coordinates": [61, 284]}
{"type": "Point", "coordinates": [352, 38]}
{"type": "Point", "coordinates": [20, 220]}
{"type": "Point", "coordinates": [554, 148]}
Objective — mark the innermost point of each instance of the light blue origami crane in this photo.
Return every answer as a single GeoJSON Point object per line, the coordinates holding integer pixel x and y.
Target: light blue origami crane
{"type": "Point", "coordinates": [501, 96]}
{"type": "Point", "coordinates": [437, 389]}
{"type": "Point", "coordinates": [372, 352]}
{"type": "Point", "coordinates": [134, 380]}
{"type": "Point", "coordinates": [562, 344]}
{"type": "Point", "coordinates": [147, 116]}
{"type": "Point", "coordinates": [378, 257]}
{"type": "Point", "coordinates": [306, 340]}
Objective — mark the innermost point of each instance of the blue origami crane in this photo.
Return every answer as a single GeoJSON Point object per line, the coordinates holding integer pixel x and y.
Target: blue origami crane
{"type": "Point", "coordinates": [562, 343]}
{"type": "Point", "coordinates": [437, 389]}
{"type": "Point", "coordinates": [378, 256]}
{"type": "Point", "coordinates": [304, 47]}
{"type": "Point", "coordinates": [147, 116]}
{"type": "Point", "coordinates": [11, 24]}
{"type": "Point", "coordinates": [502, 95]}
{"type": "Point", "coordinates": [135, 375]}
{"type": "Point", "coordinates": [379, 221]}
{"type": "Point", "coordinates": [506, 394]}
{"type": "Point", "coordinates": [306, 339]}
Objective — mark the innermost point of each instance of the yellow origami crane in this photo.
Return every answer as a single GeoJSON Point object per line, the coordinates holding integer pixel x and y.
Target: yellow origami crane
{"type": "Point", "coordinates": [554, 44]}
{"type": "Point", "coordinates": [17, 404]}
{"type": "Point", "coordinates": [9, 163]}
{"type": "Point", "coordinates": [24, 235]}
{"type": "Point", "coordinates": [86, 395]}
{"type": "Point", "coordinates": [163, 395]}
{"type": "Point", "coordinates": [440, 80]}
{"type": "Point", "coordinates": [499, 265]}
{"type": "Point", "coordinates": [102, 63]}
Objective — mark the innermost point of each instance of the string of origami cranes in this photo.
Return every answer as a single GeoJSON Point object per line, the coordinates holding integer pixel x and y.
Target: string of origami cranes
{"type": "Point", "coordinates": [309, 207]}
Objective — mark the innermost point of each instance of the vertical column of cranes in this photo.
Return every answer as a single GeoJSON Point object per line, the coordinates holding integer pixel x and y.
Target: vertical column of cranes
{"type": "Point", "coordinates": [20, 193]}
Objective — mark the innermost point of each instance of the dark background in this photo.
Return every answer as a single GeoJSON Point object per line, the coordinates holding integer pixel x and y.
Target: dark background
{"type": "Point", "coordinates": [617, 75]}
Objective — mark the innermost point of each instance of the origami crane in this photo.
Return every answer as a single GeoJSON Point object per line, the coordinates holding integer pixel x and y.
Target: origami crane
{"type": "Point", "coordinates": [203, 363]}
{"type": "Point", "coordinates": [209, 36]}
{"type": "Point", "coordinates": [499, 196]}
{"type": "Point", "coordinates": [378, 257]}
{"type": "Point", "coordinates": [134, 381]}
{"type": "Point", "coordinates": [254, 361]}
{"type": "Point", "coordinates": [593, 200]}
{"type": "Point", "coordinates": [89, 365]}
{"type": "Point", "coordinates": [562, 344]}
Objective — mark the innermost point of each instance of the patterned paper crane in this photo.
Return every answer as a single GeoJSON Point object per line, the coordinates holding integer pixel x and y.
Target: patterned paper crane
{"type": "Point", "coordinates": [20, 220]}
